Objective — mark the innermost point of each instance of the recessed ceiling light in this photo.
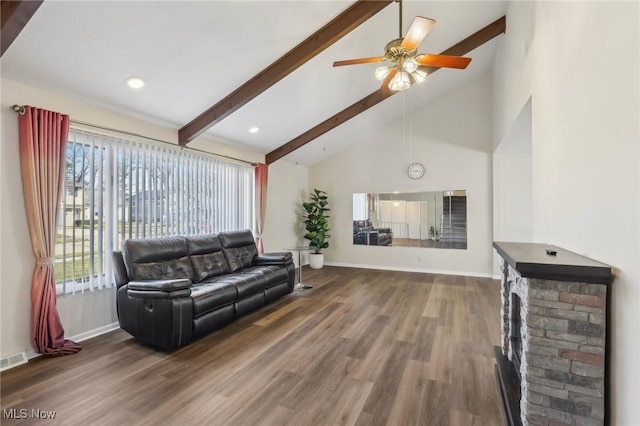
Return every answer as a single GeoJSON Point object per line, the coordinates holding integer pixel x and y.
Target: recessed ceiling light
{"type": "Point", "coordinates": [254, 129]}
{"type": "Point", "coordinates": [134, 82]}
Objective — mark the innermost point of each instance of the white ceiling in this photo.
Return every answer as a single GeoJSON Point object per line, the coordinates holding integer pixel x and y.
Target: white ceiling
{"type": "Point", "coordinates": [192, 54]}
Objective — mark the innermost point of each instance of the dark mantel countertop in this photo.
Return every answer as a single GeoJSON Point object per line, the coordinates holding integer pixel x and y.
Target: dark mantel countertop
{"type": "Point", "coordinates": [532, 261]}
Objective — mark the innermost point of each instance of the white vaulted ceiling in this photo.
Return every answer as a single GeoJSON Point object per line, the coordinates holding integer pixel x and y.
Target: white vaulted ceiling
{"type": "Point", "coordinates": [193, 54]}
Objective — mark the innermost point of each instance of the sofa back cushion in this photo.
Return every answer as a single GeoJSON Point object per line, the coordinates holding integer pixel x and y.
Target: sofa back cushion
{"type": "Point", "coordinates": [239, 248]}
{"type": "Point", "coordinates": [162, 258]}
{"type": "Point", "coordinates": [207, 257]}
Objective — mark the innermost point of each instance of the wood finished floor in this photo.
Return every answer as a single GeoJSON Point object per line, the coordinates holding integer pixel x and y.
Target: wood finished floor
{"type": "Point", "coordinates": [363, 347]}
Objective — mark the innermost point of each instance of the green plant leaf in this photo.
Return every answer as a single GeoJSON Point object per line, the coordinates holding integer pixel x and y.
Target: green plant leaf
{"type": "Point", "coordinates": [315, 220]}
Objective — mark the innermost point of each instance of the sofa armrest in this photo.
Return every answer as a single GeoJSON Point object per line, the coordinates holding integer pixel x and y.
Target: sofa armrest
{"type": "Point", "coordinates": [119, 270]}
{"type": "Point", "coordinates": [160, 285]}
{"type": "Point", "coordinates": [159, 318]}
{"type": "Point", "coordinates": [280, 258]}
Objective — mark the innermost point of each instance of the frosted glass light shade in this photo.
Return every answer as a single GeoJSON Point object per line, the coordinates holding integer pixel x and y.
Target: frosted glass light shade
{"type": "Point", "coordinates": [400, 81]}
{"type": "Point", "coordinates": [410, 65]}
{"type": "Point", "coordinates": [419, 76]}
{"type": "Point", "coordinates": [381, 72]}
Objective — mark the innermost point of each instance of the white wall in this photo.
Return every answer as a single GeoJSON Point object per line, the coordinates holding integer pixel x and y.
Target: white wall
{"type": "Point", "coordinates": [579, 63]}
{"type": "Point", "coordinates": [287, 189]}
{"type": "Point", "coordinates": [80, 314]}
{"type": "Point", "coordinates": [512, 185]}
{"type": "Point", "coordinates": [452, 138]}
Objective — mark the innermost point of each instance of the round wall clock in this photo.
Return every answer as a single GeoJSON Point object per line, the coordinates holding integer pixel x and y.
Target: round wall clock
{"type": "Point", "coordinates": [415, 171]}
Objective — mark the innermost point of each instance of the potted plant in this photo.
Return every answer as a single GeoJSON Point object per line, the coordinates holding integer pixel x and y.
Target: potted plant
{"type": "Point", "coordinates": [317, 227]}
{"type": "Point", "coordinates": [434, 233]}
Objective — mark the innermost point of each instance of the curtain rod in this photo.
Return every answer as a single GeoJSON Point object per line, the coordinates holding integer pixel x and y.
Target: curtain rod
{"type": "Point", "coordinates": [20, 110]}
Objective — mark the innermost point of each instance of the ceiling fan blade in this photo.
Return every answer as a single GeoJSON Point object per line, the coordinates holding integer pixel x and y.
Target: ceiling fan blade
{"type": "Point", "coordinates": [358, 61]}
{"type": "Point", "coordinates": [417, 32]}
{"type": "Point", "coordinates": [384, 88]}
{"type": "Point", "coordinates": [443, 61]}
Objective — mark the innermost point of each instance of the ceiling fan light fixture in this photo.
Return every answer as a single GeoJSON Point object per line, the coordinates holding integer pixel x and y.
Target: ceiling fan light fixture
{"type": "Point", "coordinates": [382, 72]}
{"type": "Point", "coordinates": [404, 52]}
{"type": "Point", "coordinates": [419, 76]}
{"type": "Point", "coordinates": [400, 81]}
{"type": "Point", "coordinates": [410, 65]}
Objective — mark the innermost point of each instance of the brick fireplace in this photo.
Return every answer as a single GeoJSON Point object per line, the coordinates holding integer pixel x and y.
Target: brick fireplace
{"type": "Point", "coordinates": [551, 366]}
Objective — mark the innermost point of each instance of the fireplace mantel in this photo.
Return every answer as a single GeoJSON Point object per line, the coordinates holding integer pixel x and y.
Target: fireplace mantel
{"type": "Point", "coordinates": [552, 365]}
{"type": "Point", "coordinates": [532, 261]}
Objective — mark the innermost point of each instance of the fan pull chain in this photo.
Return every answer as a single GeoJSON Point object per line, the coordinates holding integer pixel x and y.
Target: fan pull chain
{"type": "Point", "coordinates": [410, 128]}
{"type": "Point", "coordinates": [404, 147]}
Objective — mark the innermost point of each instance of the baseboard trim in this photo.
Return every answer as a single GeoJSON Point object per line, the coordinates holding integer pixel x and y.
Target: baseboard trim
{"type": "Point", "coordinates": [31, 353]}
{"type": "Point", "coordinates": [95, 332]}
{"type": "Point", "coordinates": [405, 269]}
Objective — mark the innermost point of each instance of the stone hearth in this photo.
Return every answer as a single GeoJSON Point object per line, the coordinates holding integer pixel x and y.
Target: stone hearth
{"type": "Point", "coordinates": [562, 335]}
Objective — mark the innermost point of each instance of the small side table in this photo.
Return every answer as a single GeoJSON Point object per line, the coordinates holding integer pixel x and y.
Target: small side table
{"type": "Point", "coordinates": [300, 285]}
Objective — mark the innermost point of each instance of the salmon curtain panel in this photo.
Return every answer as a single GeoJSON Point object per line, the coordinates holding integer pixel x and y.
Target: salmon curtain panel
{"type": "Point", "coordinates": [43, 141]}
{"type": "Point", "coordinates": [261, 173]}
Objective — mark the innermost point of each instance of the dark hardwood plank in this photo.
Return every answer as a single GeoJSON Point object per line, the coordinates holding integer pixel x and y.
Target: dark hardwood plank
{"type": "Point", "coordinates": [385, 388]}
{"type": "Point", "coordinates": [363, 343]}
{"type": "Point", "coordinates": [356, 349]}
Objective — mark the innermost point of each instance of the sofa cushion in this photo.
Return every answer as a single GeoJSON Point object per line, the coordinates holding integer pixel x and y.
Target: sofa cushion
{"type": "Point", "coordinates": [247, 284]}
{"type": "Point", "coordinates": [164, 258]}
{"type": "Point", "coordinates": [239, 248]}
{"type": "Point", "coordinates": [207, 257]}
{"type": "Point", "coordinates": [212, 295]}
{"type": "Point", "coordinates": [273, 274]}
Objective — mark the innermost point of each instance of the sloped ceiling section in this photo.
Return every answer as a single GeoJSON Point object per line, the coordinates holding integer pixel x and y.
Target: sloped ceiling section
{"type": "Point", "coordinates": [314, 44]}
{"type": "Point", "coordinates": [462, 48]}
{"type": "Point", "coordinates": [193, 54]}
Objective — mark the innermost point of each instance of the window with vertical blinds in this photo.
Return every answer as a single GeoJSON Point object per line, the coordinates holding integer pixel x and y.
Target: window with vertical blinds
{"type": "Point", "coordinates": [117, 189]}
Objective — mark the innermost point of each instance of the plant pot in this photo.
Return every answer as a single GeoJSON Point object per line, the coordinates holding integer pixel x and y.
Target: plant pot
{"type": "Point", "coordinates": [316, 260]}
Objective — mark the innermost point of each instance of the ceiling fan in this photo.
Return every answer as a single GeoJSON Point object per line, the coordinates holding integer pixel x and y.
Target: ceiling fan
{"type": "Point", "coordinates": [409, 64]}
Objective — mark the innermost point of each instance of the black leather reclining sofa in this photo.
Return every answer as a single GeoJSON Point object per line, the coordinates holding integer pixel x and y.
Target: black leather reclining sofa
{"type": "Point", "coordinates": [365, 234]}
{"type": "Point", "coordinates": [175, 289]}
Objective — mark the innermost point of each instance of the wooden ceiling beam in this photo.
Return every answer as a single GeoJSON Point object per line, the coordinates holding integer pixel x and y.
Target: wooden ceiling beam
{"type": "Point", "coordinates": [337, 28]}
{"type": "Point", "coordinates": [15, 15]}
{"type": "Point", "coordinates": [463, 47]}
